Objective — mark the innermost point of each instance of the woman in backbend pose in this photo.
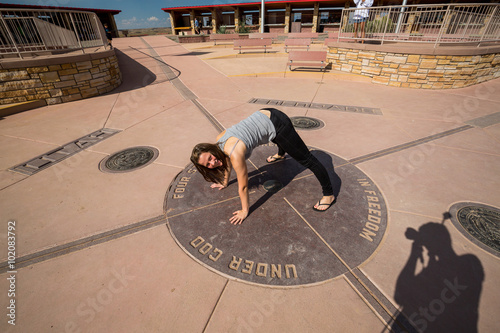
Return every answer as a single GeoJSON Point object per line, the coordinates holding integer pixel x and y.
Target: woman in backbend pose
{"type": "Point", "coordinates": [235, 145]}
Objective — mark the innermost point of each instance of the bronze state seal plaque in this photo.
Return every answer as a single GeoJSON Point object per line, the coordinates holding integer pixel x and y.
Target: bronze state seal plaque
{"type": "Point", "coordinates": [283, 241]}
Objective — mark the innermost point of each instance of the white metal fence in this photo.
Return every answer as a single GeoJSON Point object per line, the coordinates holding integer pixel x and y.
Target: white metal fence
{"type": "Point", "coordinates": [438, 24]}
{"type": "Point", "coordinates": [25, 32]}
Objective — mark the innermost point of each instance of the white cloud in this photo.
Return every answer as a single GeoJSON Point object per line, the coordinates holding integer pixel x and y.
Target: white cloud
{"type": "Point", "coordinates": [129, 22]}
{"type": "Point", "coordinates": [142, 22]}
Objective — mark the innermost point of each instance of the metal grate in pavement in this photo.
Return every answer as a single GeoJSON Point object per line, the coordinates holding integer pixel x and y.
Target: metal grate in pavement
{"type": "Point", "coordinates": [322, 106]}
{"type": "Point", "coordinates": [479, 224]}
{"type": "Point", "coordinates": [54, 156]}
{"type": "Point", "coordinates": [306, 123]}
{"type": "Point", "coordinates": [129, 159]}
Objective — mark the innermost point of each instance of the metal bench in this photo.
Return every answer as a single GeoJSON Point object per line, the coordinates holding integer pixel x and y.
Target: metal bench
{"type": "Point", "coordinates": [391, 36]}
{"type": "Point", "coordinates": [263, 35]}
{"type": "Point", "coordinates": [329, 41]}
{"type": "Point", "coordinates": [334, 40]}
{"type": "Point", "coordinates": [311, 35]}
{"type": "Point", "coordinates": [296, 43]}
{"type": "Point", "coordinates": [253, 44]}
{"type": "Point", "coordinates": [307, 59]}
{"type": "Point", "coordinates": [224, 37]}
{"type": "Point", "coordinates": [346, 37]}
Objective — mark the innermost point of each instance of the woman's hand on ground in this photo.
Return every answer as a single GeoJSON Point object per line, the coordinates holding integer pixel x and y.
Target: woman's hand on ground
{"type": "Point", "coordinates": [219, 186]}
{"type": "Point", "coordinates": [238, 217]}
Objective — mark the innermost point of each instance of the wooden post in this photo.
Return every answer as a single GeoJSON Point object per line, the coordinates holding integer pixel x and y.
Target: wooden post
{"type": "Point", "coordinates": [288, 13]}
{"type": "Point", "coordinates": [237, 19]}
{"type": "Point", "coordinates": [214, 21]}
{"type": "Point", "coordinates": [191, 20]}
{"type": "Point", "coordinates": [315, 18]}
{"type": "Point", "coordinates": [171, 14]}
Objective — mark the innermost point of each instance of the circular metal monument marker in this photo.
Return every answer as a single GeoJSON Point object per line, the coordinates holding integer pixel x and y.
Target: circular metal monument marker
{"type": "Point", "coordinates": [306, 123]}
{"type": "Point", "coordinates": [283, 241]}
{"type": "Point", "coordinates": [129, 159]}
{"type": "Point", "coordinates": [479, 223]}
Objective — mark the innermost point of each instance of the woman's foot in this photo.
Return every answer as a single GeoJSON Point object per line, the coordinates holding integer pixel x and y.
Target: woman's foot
{"type": "Point", "coordinates": [275, 158]}
{"type": "Point", "coordinates": [325, 203]}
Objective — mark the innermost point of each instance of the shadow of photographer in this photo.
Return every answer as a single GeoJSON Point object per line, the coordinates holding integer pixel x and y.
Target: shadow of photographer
{"type": "Point", "coordinates": [444, 295]}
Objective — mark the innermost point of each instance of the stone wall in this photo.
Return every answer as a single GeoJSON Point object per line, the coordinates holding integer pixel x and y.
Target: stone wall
{"type": "Point", "coordinates": [193, 38]}
{"type": "Point", "coordinates": [431, 71]}
{"type": "Point", "coordinates": [59, 79]}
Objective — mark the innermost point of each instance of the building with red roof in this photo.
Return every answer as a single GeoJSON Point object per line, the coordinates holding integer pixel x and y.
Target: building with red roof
{"type": "Point", "coordinates": [281, 16]}
{"type": "Point", "coordinates": [106, 16]}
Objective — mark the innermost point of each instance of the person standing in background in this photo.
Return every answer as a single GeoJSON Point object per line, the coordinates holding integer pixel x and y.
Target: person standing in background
{"type": "Point", "coordinates": [196, 26]}
{"type": "Point", "coordinates": [361, 16]}
{"type": "Point", "coordinates": [108, 35]}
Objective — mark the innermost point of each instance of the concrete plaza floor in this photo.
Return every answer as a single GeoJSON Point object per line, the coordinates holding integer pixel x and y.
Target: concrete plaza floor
{"type": "Point", "coordinates": [93, 250]}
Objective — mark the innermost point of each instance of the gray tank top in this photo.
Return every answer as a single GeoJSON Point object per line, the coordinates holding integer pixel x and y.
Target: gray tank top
{"type": "Point", "coordinates": [254, 131]}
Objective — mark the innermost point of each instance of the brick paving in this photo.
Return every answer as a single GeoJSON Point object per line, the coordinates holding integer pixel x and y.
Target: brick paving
{"type": "Point", "coordinates": [94, 253]}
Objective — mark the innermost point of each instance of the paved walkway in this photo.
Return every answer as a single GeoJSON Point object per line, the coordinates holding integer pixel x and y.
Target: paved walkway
{"type": "Point", "coordinates": [93, 250]}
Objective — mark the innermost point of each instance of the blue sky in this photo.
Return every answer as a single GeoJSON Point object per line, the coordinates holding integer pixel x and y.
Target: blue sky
{"type": "Point", "coordinates": [135, 14]}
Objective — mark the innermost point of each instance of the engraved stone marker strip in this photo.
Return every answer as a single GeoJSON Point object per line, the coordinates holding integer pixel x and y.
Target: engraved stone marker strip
{"type": "Point", "coordinates": [185, 92]}
{"type": "Point", "coordinates": [385, 309]}
{"type": "Point", "coordinates": [407, 145]}
{"type": "Point", "coordinates": [321, 106]}
{"type": "Point", "coordinates": [83, 243]}
{"type": "Point", "coordinates": [485, 121]}
{"type": "Point", "coordinates": [54, 156]}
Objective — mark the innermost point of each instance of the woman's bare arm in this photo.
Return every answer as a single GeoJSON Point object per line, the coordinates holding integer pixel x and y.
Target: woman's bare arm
{"type": "Point", "coordinates": [238, 163]}
{"type": "Point", "coordinates": [240, 167]}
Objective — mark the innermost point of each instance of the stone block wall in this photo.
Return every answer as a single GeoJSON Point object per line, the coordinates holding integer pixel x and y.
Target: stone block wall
{"type": "Point", "coordinates": [193, 38]}
{"type": "Point", "coordinates": [429, 71]}
{"type": "Point", "coordinates": [60, 79]}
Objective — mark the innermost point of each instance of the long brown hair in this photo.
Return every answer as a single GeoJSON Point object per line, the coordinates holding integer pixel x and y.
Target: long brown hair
{"type": "Point", "coordinates": [215, 175]}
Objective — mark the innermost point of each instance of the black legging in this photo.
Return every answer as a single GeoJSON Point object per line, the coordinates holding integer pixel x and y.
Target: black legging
{"type": "Point", "coordinates": [289, 141]}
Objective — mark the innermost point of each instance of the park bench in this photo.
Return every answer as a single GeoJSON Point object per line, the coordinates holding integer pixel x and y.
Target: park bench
{"type": "Point", "coordinates": [333, 37]}
{"type": "Point", "coordinates": [307, 59]}
{"type": "Point", "coordinates": [296, 43]}
{"type": "Point", "coordinates": [311, 35]}
{"type": "Point", "coordinates": [329, 41]}
{"type": "Point", "coordinates": [333, 34]}
{"type": "Point", "coordinates": [390, 36]}
{"type": "Point", "coordinates": [263, 35]}
{"type": "Point", "coordinates": [253, 44]}
{"type": "Point", "coordinates": [224, 37]}
{"type": "Point", "coordinates": [345, 37]}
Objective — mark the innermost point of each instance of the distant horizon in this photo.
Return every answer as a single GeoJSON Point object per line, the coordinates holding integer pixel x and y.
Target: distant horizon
{"type": "Point", "coordinates": [144, 28]}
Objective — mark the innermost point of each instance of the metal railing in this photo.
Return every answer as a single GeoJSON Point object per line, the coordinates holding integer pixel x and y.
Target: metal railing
{"type": "Point", "coordinates": [29, 31]}
{"type": "Point", "coordinates": [438, 24]}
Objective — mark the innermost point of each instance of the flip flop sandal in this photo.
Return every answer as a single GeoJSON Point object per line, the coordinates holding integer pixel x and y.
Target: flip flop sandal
{"type": "Point", "coordinates": [272, 159]}
{"type": "Point", "coordinates": [328, 206]}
